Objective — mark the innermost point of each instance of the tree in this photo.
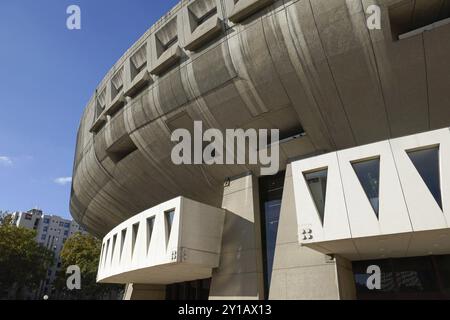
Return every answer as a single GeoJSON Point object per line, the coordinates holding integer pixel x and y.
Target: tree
{"type": "Point", "coordinates": [84, 252]}
{"type": "Point", "coordinates": [23, 262]}
{"type": "Point", "coordinates": [5, 217]}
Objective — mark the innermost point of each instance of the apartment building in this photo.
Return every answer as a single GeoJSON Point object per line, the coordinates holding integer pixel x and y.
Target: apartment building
{"type": "Point", "coordinates": [52, 232]}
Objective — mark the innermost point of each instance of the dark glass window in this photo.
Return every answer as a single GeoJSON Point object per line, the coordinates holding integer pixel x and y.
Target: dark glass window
{"type": "Point", "coordinates": [426, 162]}
{"type": "Point", "coordinates": [135, 230]}
{"type": "Point", "coordinates": [317, 185]}
{"type": "Point", "coordinates": [169, 221]}
{"type": "Point", "coordinates": [271, 192]}
{"type": "Point", "coordinates": [368, 173]}
{"type": "Point", "coordinates": [406, 278]}
{"type": "Point", "coordinates": [191, 290]}
{"type": "Point", "coordinates": [106, 252]}
{"type": "Point", "coordinates": [122, 241]}
{"type": "Point", "coordinates": [113, 246]}
{"type": "Point", "coordinates": [150, 224]}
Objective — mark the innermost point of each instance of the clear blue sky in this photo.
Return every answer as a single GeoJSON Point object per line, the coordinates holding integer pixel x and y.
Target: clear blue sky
{"type": "Point", "coordinates": [47, 75]}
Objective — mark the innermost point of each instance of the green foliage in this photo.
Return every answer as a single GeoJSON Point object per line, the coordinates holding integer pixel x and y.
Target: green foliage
{"type": "Point", "coordinates": [83, 251]}
{"type": "Point", "coordinates": [23, 262]}
{"type": "Point", "coordinates": [5, 218]}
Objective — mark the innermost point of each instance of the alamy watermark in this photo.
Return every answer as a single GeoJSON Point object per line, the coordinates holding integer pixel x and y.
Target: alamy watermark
{"type": "Point", "coordinates": [73, 21]}
{"type": "Point", "coordinates": [73, 282]}
{"type": "Point", "coordinates": [374, 19]}
{"type": "Point", "coordinates": [374, 280]}
{"type": "Point", "coordinates": [236, 147]}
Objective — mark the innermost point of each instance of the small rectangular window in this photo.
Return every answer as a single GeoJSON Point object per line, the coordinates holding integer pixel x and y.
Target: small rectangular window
{"type": "Point", "coordinates": [121, 149]}
{"type": "Point", "coordinates": [100, 103]}
{"type": "Point", "coordinates": [138, 61]}
{"type": "Point", "coordinates": [409, 18]}
{"type": "Point", "coordinates": [166, 37]}
{"type": "Point", "coordinates": [116, 83]}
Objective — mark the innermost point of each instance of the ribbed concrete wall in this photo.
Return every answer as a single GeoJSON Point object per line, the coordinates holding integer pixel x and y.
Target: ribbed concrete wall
{"type": "Point", "coordinates": [308, 63]}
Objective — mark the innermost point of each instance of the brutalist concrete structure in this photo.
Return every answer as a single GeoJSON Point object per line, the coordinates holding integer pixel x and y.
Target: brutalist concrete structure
{"type": "Point", "coordinates": [353, 106]}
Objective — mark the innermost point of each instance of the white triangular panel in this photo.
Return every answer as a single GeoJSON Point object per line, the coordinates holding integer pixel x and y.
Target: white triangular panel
{"type": "Point", "coordinates": [335, 224]}
{"type": "Point", "coordinates": [393, 214]}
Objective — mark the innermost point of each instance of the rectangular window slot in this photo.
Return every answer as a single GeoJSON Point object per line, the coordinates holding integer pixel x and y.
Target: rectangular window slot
{"type": "Point", "coordinates": [121, 149]}
{"type": "Point", "coordinates": [139, 74]}
{"type": "Point", "coordinates": [204, 23]}
{"type": "Point", "coordinates": [166, 37]}
{"type": "Point", "coordinates": [100, 103]}
{"type": "Point", "coordinates": [200, 11]}
{"type": "Point", "coordinates": [167, 50]}
{"type": "Point", "coordinates": [410, 18]}
{"type": "Point", "coordinates": [116, 83]}
{"type": "Point", "coordinates": [138, 61]}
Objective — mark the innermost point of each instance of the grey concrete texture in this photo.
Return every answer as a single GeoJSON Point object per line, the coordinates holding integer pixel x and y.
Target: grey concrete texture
{"type": "Point", "coordinates": [300, 272]}
{"type": "Point", "coordinates": [287, 64]}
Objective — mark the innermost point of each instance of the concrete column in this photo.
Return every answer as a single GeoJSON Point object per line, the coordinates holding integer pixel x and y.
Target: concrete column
{"type": "Point", "coordinates": [135, 291]}
{"type": "Point", "coordinates": [240, 274]}
{"type": "Point", "coordinates": [300, 272]}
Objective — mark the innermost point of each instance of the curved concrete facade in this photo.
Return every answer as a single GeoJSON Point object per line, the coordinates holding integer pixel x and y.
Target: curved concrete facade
{"type": "Point", "coordinates": [307, 66]}
{"type": "Point", "coordinates": [310, 68]}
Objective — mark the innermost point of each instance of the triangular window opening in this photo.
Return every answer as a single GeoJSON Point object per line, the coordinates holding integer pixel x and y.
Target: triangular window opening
{"type": "Point", "coordinates": [317, 185]}
{"type": "Point", "coordinates": [368, 173]}
{"type": "Point", "coordinates": [426, 162]}
{"type": "Point", "coordinates": [169, 215]}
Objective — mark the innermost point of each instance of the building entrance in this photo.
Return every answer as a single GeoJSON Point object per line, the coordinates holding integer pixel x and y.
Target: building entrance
{"type": "Point", "coordinates": [406, 278]}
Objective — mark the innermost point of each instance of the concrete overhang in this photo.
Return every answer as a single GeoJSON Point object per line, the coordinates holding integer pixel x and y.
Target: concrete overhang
{"type": "Point", "coordinates": [178, 240]}
{"type": "Point", "coordinates": [409, 220]}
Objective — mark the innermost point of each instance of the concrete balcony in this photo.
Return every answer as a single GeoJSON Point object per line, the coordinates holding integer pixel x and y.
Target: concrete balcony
{"type": "Point", "coordinates": [178, 240]}
{"type": "Point", "coordinates": [398, 205]}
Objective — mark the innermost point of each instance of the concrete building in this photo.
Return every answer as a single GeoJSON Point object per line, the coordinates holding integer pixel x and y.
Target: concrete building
{"type": "Point", "coordinates": [364, 123]}
{"type": "Point", "coordinates": [52, 232]}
